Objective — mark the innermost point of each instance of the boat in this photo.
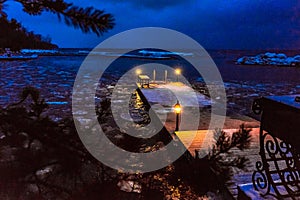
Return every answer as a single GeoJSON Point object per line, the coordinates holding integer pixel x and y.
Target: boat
{"type": "Point", "coordinates": [9, 57]}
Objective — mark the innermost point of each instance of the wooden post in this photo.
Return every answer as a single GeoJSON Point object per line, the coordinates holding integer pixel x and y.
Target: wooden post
{"type": "Point", "coordinates": [154, 75]}
{"type": "Point", "coordinates": [166, 76]}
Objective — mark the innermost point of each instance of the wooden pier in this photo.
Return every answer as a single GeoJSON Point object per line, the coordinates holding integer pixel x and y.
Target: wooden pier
{"type": "Point", "coordinates": [161, 98]}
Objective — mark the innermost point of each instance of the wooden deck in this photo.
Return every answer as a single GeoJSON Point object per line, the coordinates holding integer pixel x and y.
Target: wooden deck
{"type": "Point", "coordinates": [198, 140]}
{"type": "Point", "coordinates": [252, 153]}
{"type": "Point", "coordinates": [202, 139]}
{"type": "Point", "coordinates": [161, 98]}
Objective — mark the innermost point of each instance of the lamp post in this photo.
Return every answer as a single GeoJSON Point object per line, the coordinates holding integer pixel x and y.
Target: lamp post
{"type": "Point", "coordinates": [177, 110]}
{"type": "Point", "coordinates": [166, 76]}
{"type": "Point", "coordinates": [177, 72]}
{"type": "Point", "coordinates": [138, 72]}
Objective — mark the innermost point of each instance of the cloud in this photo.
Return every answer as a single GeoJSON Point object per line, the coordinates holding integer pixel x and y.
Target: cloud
{"type": "Point", "coordinates": [240, 24]}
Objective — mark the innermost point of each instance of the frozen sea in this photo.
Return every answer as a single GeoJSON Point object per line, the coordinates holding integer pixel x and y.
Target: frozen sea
{"type": "Point", "coordinates": [54, 74]}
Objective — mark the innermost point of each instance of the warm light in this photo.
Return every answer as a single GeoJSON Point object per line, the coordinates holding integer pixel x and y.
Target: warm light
{"type": "Point", "coordinates": [177, 71]}
{"type": "Point", "coordinates": [177, 108]}
{"type": "Point", "coordinates": [138, 71]}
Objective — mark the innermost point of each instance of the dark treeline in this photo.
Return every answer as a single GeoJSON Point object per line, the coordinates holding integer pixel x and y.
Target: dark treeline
{"type": "Point", "coordinates": [16, 37]}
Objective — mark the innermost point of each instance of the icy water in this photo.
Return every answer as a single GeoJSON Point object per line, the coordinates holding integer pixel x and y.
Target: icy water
{"type": "Point", "coordinates": [55, 75]}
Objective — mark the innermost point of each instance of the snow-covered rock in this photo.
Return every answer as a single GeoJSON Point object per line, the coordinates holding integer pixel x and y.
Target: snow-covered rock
{"type": "Point", "coordinates": [269, 55]}
{"type": "Point", "coordinates": [269, 58]}
{"type": "Point", "coordinates": [39, 51]}
{"type": "Point", "coordinates": [297, 58]}
{"type": "Point", "coordinates": [281, 55]}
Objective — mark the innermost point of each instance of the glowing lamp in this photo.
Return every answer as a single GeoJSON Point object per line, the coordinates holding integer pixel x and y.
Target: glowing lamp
{"type": "Point", "coordinates": [138, 71]}
{"type": "Point", "coordinates": [177, 71]}
{"type": "Point", "coordinates": [177, 108]}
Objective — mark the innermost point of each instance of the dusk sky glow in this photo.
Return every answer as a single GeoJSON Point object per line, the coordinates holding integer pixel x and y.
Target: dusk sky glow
{"type": "Point", "coordinates": [215, 24]}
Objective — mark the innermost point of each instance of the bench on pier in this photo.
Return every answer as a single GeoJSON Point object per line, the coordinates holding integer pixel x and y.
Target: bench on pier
{"type": "Point", "coordinates": [144, 80]}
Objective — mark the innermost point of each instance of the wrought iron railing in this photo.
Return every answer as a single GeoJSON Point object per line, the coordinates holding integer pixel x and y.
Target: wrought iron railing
{"type": "Point", "coordinates": [277, 173]}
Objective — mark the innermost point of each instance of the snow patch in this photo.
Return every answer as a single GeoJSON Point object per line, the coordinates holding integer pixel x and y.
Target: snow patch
{"type": "Point", "coordinates": [270, 58]}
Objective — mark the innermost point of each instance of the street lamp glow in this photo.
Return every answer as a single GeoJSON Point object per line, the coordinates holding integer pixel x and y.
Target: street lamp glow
{"type": "Point", "coordinates": [138, 71]}
{"type": "Point", "coordinates": [177, 108]}
{"type": "Point", "coordinates": [177, 71]}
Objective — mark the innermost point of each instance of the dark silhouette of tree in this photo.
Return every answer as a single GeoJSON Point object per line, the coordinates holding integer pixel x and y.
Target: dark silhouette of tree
{"type": "Point", "coordinates": [224, 142]}
{"type": "Point", "coordinates": [2, 6]}
{"type": "Point", "coordinates": [46, 159]}
{"type": "Point", "coordinates": [15, 37]}
{"type": "Point", "coordinates": [87, 19]}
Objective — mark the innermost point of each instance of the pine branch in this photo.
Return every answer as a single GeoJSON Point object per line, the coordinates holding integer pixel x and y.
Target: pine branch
{"type": "Point", "coordinates": [87, 19]}
{"type": "Point", "coordinates": [218, 156]}
{"type": "Point", "coordinates": [2, 7]}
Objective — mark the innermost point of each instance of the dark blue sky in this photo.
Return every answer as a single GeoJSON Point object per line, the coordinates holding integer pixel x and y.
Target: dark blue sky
{"type": "Point", "coordinates": [215, 24]}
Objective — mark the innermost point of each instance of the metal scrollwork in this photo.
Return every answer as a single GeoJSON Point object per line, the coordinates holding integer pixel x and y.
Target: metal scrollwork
{"type": "Point", "coordinates": [256, 107]}
{"type": "Point", "coordinates": [260, 180]}
{"type": "Point", "coordinates": [277, 173]}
